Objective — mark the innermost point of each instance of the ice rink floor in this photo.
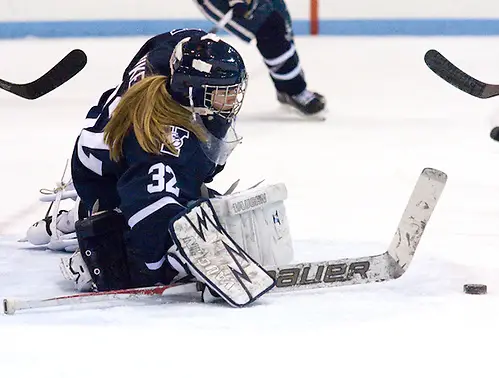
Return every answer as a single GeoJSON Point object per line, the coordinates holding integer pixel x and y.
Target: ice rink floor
{"type": "Point", "coordinates": [348, 179]}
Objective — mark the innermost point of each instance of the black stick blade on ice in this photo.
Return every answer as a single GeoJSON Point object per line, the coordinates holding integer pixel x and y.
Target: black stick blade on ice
{"type": "Point", "coordinates": [494, 133]}
{"type": "Point", "coordinates": [441, 66]}
{"type": "Point", "coordinates": [63, 71]}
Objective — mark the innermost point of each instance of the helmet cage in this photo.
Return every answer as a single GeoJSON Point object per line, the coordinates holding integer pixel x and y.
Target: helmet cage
{"type": "Point", "coordinates": [225, 101]}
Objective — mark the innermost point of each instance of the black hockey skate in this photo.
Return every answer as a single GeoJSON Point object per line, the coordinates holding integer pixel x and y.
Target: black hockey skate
{"type": "Point", "coordinates": [307, 103]}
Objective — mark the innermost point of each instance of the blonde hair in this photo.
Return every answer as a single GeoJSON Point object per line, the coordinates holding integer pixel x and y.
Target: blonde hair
{"type": "Point", "coordinates": [149, 110]}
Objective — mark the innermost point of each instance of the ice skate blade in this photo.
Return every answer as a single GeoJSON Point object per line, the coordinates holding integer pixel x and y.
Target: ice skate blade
{"type": "Point", "coordinates": [320, 116]}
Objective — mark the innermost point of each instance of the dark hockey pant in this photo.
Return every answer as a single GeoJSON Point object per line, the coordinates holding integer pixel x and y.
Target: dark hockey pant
{"type": "Point", "coordinates": [270, 25]}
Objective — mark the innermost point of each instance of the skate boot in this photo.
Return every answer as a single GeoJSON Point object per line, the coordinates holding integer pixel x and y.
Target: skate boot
{"type": "Point", "coordinates": [307, 103]}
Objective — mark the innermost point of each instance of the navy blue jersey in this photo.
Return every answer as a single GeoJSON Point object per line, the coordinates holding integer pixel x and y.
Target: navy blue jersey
{"type": "Point", "coordinates": [149, 189]}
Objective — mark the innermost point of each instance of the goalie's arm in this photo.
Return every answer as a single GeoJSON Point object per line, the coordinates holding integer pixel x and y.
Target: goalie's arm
{"type": "Point", "coordinates": [94, 175]}
{"type": "Point", "coordinates": [92, 178]}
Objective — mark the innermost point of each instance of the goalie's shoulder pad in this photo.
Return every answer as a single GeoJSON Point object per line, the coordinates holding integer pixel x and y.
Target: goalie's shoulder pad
{"type": "Point", "coordinates": [215, 258]}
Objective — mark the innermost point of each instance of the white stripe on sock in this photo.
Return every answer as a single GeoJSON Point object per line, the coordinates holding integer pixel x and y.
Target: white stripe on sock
{"type": "Point", "coordinates": [281, 58]}
{"type": "Point", "coordinates": [288, 76]}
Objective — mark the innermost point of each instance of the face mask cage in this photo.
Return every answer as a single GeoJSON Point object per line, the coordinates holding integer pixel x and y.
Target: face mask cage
{"type": "Point", "coordinates": [225, 101]}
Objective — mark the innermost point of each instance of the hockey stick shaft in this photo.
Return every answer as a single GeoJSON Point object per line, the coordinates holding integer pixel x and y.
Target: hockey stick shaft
{"type": "Point", "coordinates": [63, 71]}
{"type": "Point", "coordinates": [10, 306]}
{"type": "Point", "coordinates": [446, 70]}
{"type": "Point", "coordinates": [222, 22]}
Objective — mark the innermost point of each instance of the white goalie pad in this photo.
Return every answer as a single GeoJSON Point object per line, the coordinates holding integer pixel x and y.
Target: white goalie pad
{"type": "Point", "coordinates": [215, 259]}
{"type": "Point", "coordinates": [256, 219]}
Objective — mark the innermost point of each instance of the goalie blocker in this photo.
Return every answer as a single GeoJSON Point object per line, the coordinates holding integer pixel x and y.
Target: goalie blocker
{"type": "Point", "coordinates": [256, 219]}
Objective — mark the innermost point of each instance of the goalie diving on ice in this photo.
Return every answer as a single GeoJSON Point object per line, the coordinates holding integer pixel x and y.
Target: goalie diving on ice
{"type": "Point", "coordinates": [143, 223]}
{"type": "Point", "coordinates": [386, 266]}
{"type": "Point", "coordinates": [152, 144]}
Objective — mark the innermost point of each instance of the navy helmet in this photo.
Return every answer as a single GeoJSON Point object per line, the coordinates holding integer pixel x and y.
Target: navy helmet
{"type": "Point", "coordinates": [208, 76]}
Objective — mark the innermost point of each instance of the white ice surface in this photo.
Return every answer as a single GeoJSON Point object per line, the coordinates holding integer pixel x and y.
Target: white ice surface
{"type": "Point", "coordinates": [348, 178]}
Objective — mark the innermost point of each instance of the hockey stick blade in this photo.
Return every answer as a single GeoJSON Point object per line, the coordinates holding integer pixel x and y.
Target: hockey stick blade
{"type": "Point", "coordinates": [63, 71]}
{"type": "Point", "coordinates": [378, 268]}
{"type": "Point", "coordinates": [442, 67]}
{"type": "Point", "coordinates": [494, 133]}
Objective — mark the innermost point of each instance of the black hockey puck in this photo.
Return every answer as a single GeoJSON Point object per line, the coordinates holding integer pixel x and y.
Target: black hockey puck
{"type": "Point", "coordinates": [475, 289]}
{"type": "Point", "coordinates": [494, 133]}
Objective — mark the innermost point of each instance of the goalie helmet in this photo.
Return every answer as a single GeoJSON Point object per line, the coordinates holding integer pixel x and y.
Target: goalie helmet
{"type": "Point", "coordinates": [208, 76]}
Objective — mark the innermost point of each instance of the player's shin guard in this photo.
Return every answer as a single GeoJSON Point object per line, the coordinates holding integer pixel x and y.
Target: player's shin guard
{"type": "Point", "coordinates": [278, 50]}
{"type": "Point", "coordinates": [215, 259]}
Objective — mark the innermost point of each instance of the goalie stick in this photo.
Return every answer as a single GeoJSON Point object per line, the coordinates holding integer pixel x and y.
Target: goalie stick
{"type": "Point", "coordinates": [68, 67]}
{"type": "Point", "coordinates": [389, 265]}
{"type": "Point", "coordinates": [441, 66]}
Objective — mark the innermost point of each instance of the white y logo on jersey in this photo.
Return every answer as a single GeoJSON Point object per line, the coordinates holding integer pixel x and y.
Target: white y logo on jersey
{"type": "Point", "coordinates": [178, 135]}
